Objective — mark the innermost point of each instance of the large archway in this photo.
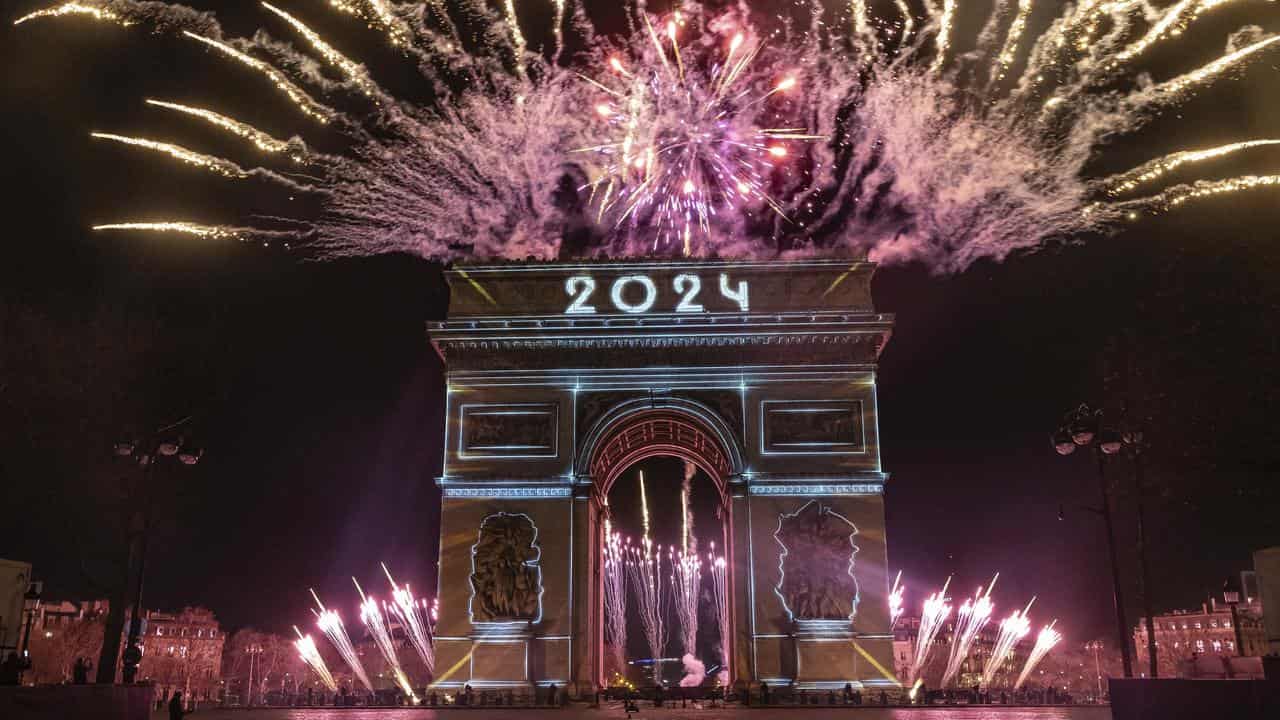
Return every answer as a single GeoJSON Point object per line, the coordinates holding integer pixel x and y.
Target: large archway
{"type": "Point", "coordinates": [767, 387]}
{"type": "Point", "coordinates": [633, 433]}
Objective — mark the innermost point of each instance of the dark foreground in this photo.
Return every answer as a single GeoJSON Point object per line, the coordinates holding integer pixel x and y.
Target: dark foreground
{"type": "Point", "coordinates": [646, 713]}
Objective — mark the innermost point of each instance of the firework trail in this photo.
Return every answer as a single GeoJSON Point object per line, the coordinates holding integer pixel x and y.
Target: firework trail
{"type": "Point", "coordinates": [847, 130]}
{"type": "Point", "coordinates": [720, 596]}
{"type": "Point", "coordinates": [375, 620]}
{"type": "Point", "coordinates": [615, 595]}
{"type": "Point", "coordinates": [688, 544]}
{"type": "Point", "coordinates": [895, 601]}
{"type": "Point", "coordinates": [1012, 630]}
{"type": "Point", "coordinates": [1045, 642]}
{"type": "Point", "coordinates": [971, 618]}
{"type": "Point", "coordinates": [644, 568]}
{"type": "Point", "coordinates": [417, 617]}
{"type": "Point", "coordinates": [686, 586]}
{"type": "Point", "coordinates": [311, 656]}
{"type": "Point", "coordinates": [933, 616]}
{"type": "Point", "coordinates": [330, 623]}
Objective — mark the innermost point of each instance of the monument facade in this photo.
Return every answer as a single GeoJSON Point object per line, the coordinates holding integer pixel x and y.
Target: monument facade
{"type": "Point", "coordinates": [562, 376]}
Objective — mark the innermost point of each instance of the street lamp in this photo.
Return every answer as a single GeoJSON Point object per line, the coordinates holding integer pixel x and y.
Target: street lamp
{"type": "Point", "coordinates": [147, 455]}
{"type": "Point", "coordinates": [1080, 428]}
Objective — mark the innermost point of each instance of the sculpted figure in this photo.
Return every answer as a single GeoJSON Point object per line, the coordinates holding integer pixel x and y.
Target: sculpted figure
{"type": "Point", "coordinates": [816, 564]}
{"type": "Point", "coordinates": [506, 581]}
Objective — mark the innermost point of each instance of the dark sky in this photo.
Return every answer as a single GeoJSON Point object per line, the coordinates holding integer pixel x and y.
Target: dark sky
{"type": "Point", "coordinates": [319, 399]}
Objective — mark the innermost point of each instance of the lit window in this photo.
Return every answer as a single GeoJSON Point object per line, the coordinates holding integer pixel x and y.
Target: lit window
{"type": "Point", "coordinates": [1198, 627]}
{"type": "Point", "coordinates": [1200, 646]}
{"type": "Point", "coordinates": [159, 631]}
{"type": "Point", "coordinates": [1231, 645]}
{"type": "Point", "coordinates": [1217, 646]}
{"type": "Point", "coordinates": [1184, 626]}
{"type": "Point", "coordinates": [1213, 623]}
{"type": "Point", "coordinates": [1226, 623]}
{"type": "Point", "coordinates": [1176, 644]}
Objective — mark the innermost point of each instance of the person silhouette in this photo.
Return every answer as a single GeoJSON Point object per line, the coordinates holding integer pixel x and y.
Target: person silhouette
{"type": "Point", "coordinates": [175, 706]}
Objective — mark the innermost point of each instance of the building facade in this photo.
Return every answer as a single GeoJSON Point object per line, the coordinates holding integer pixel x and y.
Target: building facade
{"type": "Point", "coordinates": [1184, 635]}
{"type": "Point", "coordinates": [183, 652]}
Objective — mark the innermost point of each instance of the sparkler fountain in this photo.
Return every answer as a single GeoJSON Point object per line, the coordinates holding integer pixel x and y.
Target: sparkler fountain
{"type": "Point", "coordinates": [311, 656]}
{"type": "Point", "coordinates": [1045, 641]}
{"type": "Point", "coordinates": [840, 132]}
{"type": "Point", "coordinates": [615, 554]}
{"type": "Point", "coordinates": [895, 601]}
{"type": "Point", "coordinates": [971, 618]}
{"type": "Point", "coordinates": [376, 621]}
{"type": "Point", "coordinates": [720, 597]}
{"type": "Point", "coordinates": [418, 620]}
{"type": "Point", "coordinates": [644, 568]}
{"type": "Point", "coordinates": [1012, 630]}
{"type": "Point", "coordinates": [686, 587]}
{"type": "Point", "coordinates": [933, 616]}
{"type": "Point", "coordinates": [330, 623]}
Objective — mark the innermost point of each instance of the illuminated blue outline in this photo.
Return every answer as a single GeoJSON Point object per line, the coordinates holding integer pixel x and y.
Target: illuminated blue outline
{"type": "Point", "coordinates": [789, 490]}
{"type": "Point", "coordinates": [782, 557]}
{"type": "Point", "coordinates": [862, 425]}
{"type": "Point", "coordinates": [536, 563]}
{"type": "Point", "coordinates": [524, 493]}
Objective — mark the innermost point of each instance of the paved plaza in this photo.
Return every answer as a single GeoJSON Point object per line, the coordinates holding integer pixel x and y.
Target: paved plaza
{"type": "Point", "coordinates": [650, 713]}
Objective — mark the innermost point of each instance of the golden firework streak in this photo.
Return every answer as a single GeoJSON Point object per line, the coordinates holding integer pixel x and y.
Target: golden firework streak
{"type": "Point", "coordinates": [302, 100]}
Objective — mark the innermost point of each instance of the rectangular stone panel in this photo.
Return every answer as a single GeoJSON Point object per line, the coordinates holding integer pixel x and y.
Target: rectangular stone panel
{"type": "Point", "coordinates": [807, 427]}
{"type": "Point", "coordinates": [500, 661]}
{"type": "Point", "coordinates": [509, 430]}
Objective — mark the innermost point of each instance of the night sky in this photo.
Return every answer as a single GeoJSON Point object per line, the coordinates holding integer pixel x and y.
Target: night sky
{"type": "Point", "coordinates": [318, 398]}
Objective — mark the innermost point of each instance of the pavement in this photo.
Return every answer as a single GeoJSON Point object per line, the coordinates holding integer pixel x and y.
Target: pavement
{"type": "Point", "coordinates": [650, 713]}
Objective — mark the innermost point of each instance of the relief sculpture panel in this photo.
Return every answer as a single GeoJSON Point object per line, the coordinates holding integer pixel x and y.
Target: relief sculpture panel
{"type": "Point", "coordinates": [816, 564]}
{"type": "Point", "coordinates": [506, 579]}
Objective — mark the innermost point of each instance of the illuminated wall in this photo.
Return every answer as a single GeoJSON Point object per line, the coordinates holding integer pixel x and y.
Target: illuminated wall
{"type": "Point", "coordinates": [561, 375]}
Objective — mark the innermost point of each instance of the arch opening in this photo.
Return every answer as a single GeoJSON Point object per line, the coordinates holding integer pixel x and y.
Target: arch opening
{"type": "Point", "coordinates": [688, 466]}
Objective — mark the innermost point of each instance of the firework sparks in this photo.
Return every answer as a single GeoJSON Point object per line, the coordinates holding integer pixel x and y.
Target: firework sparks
{"type": "Point", "coordinates": [971, 618]}
{"type": "Point", "coordinates": [311, 656]}
{"type": "Point", "coordinates": [261, 140]}
{"type": "Point", "coordinates": [1154, 170]}
{"type": "Point", "coordinates": [214, 164]}
{"type": "Point", "coordinates": [712, 135]}
{"type": "Point", "coordinates": [304, 102]}
{"type": "Point", "coordinates": [417, 617]}
{"type": "Point", "coordinates": [686, 586]}
{"type": "Point", "coordinates": [355, 72]}
{"type": "Point", "coordinates": [375, 620]}
{"type": "Point", "coordinates": [895, 601]}
{"type": "Point", "coordinates": [644, 569]}
{"type": "Point", "coordinates": [330, 623]}
{"type": "Point", "coordinates": [933, 616]}
{"type": "Point", "coordinates": [615, 595]}
{"type": "Point", "coordinates": [75, 8]}
{"type": "Point", "coordinates": [1045, 641]}
{"type": "Point", "coordinates": [720, 596]}
{"type": "Point", "coordinates": [1012, 630]}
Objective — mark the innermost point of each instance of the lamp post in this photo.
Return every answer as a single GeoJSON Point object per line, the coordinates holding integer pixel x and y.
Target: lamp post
{"type": "Point", "coordinates": [1096, 646]}
{"type": "Point", "coordinates": [253, 651]}
{"type": "Point", "coordinates": [1079, 429]}
{"type": "Point", "coordinates": [162, 447]}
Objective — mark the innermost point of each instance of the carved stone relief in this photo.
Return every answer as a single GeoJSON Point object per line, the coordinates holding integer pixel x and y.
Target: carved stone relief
{"type": "Point", "coordinates": [816, 564]}
{"type": "Point", "coordinates": [506, 580]}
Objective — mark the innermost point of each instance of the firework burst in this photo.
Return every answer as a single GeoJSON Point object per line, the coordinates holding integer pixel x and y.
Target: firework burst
{"type": "Point", "coordinates": [1012, 630]}
{"type": "Point", "coordinates": [1045, 641]}
{"type": "Point", "coordinates": [720, 596]}
{"type": "Point", "coordinates": [686, 587]}
{"type": "Point", "coordinates": [971, 618]}
{"type": "Point", "coordinates": [330, 623]}
{"type": "Point", "coordinates": [616, 553]}
{"type": "Point", "coordinates": [895, 600]}
{"type": "Point", "coordinates": [653, 600]}
{"type": "Point", "coordinates": [933, 616]}
{"type": "Point", "coordinates": [311, 656]}
{"type": "Point", "coordinates": [375, 620]}
{"type": "Point", "coordinates": [418, 619]}
{"type": "Point", "coordinates": [836, 130]}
